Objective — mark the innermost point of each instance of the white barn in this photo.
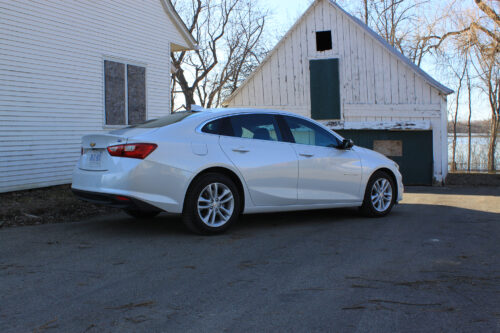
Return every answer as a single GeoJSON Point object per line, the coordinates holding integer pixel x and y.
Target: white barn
{"type": "Point", "coordinates": [332, 67]}
{"type": "Point", "coordinates": [69, 68]}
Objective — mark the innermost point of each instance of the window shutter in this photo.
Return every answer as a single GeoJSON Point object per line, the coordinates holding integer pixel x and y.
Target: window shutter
{"type": "Point", "coordinates": [325, 89]}
{"type": "Point", "coordinates": [114, 77]}
{"type": "Point", "coordinates": [136, 79]}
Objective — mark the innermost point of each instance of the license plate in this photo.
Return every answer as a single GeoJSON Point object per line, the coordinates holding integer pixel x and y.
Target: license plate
{"type": "Point", "coordinates": [95, 158]}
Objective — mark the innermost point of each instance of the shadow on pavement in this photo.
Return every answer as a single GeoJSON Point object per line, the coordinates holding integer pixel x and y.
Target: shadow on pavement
{"type": "Point", "coordinates": [456, 190]}
{"type": "Point", "coordinates": [430, 203]}
{"type": "Point", "coordinates": [167, 224]}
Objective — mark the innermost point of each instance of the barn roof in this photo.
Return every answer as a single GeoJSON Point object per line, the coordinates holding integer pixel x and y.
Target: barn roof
{"type": "Point", "coordinates": [429, 79]}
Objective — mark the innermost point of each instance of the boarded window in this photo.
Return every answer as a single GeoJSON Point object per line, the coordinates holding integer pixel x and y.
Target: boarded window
{"type": "Point", "coordinates": [325, 89]}
{"type": "Point", "coordinates": [115, 92]}
{"type": "Point", "coordinates": [389, 147]}
{"type": "Point", "coordinates": [323, 40]}
{"type": "Point", "coordinates": [136, 82]}
{"type": "Point", "coordinates": [125, 93]}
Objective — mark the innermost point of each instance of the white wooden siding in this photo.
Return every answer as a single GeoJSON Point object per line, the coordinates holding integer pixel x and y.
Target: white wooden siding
{"type": "Point", "coordinates": [377, 86]}
{"type": "Point", "coordinates": [370, 75]}
{"type": "Point", "coordinates": [51, 78]}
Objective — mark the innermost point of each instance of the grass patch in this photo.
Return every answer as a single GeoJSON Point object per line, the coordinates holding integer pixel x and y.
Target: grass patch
{"type": "Point", "coordinates": [54, 204]}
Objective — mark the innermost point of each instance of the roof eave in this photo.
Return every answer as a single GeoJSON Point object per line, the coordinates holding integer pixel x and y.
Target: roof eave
{"type": "Point", "coordinates": [191, 43]}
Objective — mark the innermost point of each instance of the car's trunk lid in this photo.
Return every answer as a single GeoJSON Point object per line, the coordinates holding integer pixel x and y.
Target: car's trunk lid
{"type": "Point", "coordinates": [94, 154]}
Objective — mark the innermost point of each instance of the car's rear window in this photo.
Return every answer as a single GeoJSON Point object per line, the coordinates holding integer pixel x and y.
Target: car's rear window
{"type": "Point", "coordinates": [164, 121]}
{"type": "Point", "coordinates": [220, 126]}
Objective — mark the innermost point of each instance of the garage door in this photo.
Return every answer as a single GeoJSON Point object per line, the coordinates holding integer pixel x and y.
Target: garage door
{"type": "Point", "coordinates": [412, 150]}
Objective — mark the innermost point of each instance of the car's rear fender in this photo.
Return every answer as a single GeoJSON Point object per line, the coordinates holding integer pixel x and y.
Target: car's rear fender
{"type": "Point", "coordinates": [191, 153]}
{"type": "Point", "coordinates": [233, 174]}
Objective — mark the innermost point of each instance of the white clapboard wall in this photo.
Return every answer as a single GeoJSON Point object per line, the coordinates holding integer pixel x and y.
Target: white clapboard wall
{"type": "Point", "coordinates": [51, 78]}
{"type": "Point", "coordinates": [380, 88]}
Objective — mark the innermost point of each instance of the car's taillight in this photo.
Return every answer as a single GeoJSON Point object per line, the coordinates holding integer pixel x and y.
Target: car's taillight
{"type": "Point", "coordinates": [132, 150]}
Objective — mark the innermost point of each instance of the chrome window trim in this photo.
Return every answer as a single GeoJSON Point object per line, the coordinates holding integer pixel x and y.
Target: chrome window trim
{"type": "Point", "coordinates": [198, 128]}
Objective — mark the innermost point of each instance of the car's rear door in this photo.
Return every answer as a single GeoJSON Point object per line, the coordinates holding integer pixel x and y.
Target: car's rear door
{"type": "Point", "coordinates": [327, 174]}
{"type": "Point", "coordinates": [269, 166]}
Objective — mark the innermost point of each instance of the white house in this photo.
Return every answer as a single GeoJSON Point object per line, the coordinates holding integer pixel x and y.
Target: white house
{"type": "Point", "coordinates": [69, 68]}
{"type": "Point", "coordinates": [332, 67]}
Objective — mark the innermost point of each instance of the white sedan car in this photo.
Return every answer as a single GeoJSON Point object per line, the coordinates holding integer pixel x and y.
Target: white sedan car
{"type": "Point", "coordinates": [213, 165]}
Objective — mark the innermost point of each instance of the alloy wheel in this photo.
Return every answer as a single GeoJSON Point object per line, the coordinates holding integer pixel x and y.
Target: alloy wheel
{"type": "Point", "coordinates": [215, 204]}
{"type": "Point", "coordinates": [381, 194]}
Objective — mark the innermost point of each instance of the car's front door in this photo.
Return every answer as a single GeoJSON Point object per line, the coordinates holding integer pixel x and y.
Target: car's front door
{"type": "Point", "coordinates": [269, 166]}
{"type": "Point", "coordinates": [327, 174]}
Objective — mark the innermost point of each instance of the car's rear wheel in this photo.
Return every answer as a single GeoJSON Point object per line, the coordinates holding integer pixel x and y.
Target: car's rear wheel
{"type": "Point", "coordinates": [212, 204]}
{"type": "Point", "coordinates": [141, 214]}
{"type": "Point", "coordinates": [380, 195]}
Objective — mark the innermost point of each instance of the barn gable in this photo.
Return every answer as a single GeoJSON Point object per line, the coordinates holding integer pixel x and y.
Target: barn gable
{"type": "Point", "coordinates": [371, 71]}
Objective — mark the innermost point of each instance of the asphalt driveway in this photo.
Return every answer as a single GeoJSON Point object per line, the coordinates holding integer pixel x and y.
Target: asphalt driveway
{"type": "Point", "coordinates": [432, 265]}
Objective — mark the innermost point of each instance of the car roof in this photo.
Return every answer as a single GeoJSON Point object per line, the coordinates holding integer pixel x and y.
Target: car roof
{"type": "Point", "coordinates": [212, 113]}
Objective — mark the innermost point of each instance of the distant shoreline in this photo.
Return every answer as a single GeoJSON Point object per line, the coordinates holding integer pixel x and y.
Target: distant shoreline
{"type": "Point", "coordinates": [476, 135]}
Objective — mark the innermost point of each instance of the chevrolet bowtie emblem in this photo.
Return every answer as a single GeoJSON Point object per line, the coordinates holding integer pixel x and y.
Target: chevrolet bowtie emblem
{"type": "Point", "coordinates": [92, 144]}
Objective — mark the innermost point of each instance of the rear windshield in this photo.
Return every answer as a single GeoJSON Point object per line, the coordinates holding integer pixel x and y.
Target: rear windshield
{"type": "Point", "coordinates": [164, 121]}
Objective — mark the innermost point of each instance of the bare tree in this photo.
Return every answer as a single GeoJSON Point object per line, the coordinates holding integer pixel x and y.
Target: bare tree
{"type": "Point", "coordinates": [366, 12]}
{"type": "Point", "coordinates": [229, 34]}
{"type": "Point", "coordinates": [460, 77]}
{"type": "Point", "coordinates": [469, 129]}
{"type": "Point", "coordinates": [486, 37]}
{"type": "Point", "coordinates": [477, 30]}
{"type": "Point", "coordinates": [489, 74]}
{"type": "Point", "coordinates": [400, 22]}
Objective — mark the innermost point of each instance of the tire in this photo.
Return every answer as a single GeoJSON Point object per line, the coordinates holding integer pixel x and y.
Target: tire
{"type": "Point", "coordinates": [380, 195]}
{"type": "Point", "coordinates": [141, 214]}
{"type": "Point", "coordinates": [206, 213]}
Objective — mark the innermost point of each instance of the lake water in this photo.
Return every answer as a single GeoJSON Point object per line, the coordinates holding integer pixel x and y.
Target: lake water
{"type": "Point", "coordinates": [479, 152]}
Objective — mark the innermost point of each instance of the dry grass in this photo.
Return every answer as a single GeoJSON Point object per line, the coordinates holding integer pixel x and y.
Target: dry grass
{"type": "Point", "coordinates": [46, 205]}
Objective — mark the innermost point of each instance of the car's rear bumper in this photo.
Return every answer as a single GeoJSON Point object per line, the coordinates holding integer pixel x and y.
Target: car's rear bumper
{"type": "Point", "coordinates": [151, 183]}
{"type": "Point", "coordinates": [114, 200]}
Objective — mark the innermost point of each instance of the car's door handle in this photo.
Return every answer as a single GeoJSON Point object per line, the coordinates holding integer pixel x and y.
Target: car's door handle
{"type": "Point", "coordinates": [241, 150]}
{"type": "Point", "coordinates": [306, 154]}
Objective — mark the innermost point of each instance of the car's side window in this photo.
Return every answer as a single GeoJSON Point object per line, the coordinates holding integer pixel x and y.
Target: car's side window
{"type": "Point", "coordinates": [255, 126]}
{"type": "Point", "coordinates": [306, 133]}
{"type": "Point", "coordinates": [221, 126]}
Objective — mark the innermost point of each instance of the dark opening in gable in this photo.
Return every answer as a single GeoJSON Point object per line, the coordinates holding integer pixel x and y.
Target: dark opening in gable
{"type": "Point", "coordinates": [323, 40]}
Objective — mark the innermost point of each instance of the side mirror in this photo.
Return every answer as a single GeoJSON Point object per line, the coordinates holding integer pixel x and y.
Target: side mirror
{"type": "Point", "coordinates": [347, 144]}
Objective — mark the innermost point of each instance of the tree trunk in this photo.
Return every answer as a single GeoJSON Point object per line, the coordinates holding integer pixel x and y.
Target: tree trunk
{"type": "Point", "coordinates": [454, 147]}
{"type": "Point", "coordinates": [493, 142]}
{"type": "Point", "coordinates": [468, 121]}
{"type": "Point", "coordinates": [366, 12]}
{"type": "Point", "coordinates": [455, 118]}
{"type": "Point", "coordinates": [187, 91]}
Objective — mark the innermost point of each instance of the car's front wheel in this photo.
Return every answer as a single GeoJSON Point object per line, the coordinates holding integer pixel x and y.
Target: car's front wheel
{"type": "Point", "coordinates": [212, 204]}
{"type": "Point", "coordinates": [380, 195]}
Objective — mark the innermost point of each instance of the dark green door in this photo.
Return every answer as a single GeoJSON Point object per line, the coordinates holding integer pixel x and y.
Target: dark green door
{"type": "Point", "coordinates": [412, 150]}
{"type": "Point", "coordinates": [325, 89]}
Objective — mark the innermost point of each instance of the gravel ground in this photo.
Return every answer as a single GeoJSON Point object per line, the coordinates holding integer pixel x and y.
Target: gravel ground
{"type": "Point", "coordinates": [46, 205]}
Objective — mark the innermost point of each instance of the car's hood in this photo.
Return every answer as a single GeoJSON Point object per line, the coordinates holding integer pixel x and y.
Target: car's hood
{"type": "Point", "coordinates": [368, 153]}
